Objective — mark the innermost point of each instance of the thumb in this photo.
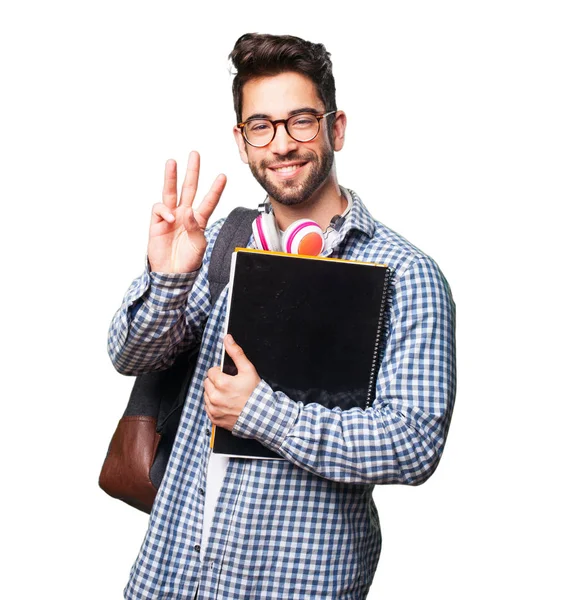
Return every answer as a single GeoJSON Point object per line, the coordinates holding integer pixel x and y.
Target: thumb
{"type": "Point", "coordinates": [237, 354]}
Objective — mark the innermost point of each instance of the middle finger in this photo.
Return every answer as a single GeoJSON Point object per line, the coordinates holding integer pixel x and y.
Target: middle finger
{"type": "Point", "coordinates": [189, 189]}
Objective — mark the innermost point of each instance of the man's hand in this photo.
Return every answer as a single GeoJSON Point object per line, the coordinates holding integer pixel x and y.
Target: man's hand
{"type": "Point", "coordinates": [226, 395]}
{"type": "Point", "coordinates": [177, 242]}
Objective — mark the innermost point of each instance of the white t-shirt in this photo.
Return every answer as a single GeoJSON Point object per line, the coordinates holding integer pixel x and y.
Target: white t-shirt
{"type": "Point", "coordinates": [216, 470]}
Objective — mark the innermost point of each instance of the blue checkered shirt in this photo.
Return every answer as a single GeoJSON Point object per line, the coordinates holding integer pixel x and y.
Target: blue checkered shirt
{"type": "Point", "coordinates": [305, 527]}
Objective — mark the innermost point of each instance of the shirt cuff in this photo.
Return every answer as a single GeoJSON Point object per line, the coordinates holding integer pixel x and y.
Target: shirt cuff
{"type": "Point", "coordinates": [268, 417]}
{"type": "Point", "coordinates": [168, 291]}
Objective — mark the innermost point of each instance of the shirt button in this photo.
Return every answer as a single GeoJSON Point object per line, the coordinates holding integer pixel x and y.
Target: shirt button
{"type": "Point", "coordinates": [208, 431]}
{"type": "Point", "coordinates": [211, 565]}
{"type": "Point", "coordinates": [201, 491]}
{"type": "Point", "coordinates": [197, 548]}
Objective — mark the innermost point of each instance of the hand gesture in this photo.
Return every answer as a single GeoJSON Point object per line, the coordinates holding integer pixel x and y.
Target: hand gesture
{"type": "Point", "coordinates": [177, 241]}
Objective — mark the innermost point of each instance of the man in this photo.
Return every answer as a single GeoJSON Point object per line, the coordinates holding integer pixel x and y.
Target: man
{"type": "Point", "coordinates": [305, 527]}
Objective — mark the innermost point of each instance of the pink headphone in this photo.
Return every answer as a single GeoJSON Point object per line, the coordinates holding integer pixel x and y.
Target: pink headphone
{"type": "Point", "coordinates": [301, 237]}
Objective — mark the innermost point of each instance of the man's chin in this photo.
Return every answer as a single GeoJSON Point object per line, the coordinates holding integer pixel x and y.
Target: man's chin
{"type": "Point", "coordinates": [285, 192]}
{"type": "Point", "coordinates": [289, 193]}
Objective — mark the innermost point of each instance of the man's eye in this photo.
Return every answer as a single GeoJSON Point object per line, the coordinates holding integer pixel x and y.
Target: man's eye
{"type": "Point", "coordinates": [303, 122]}
{"type": "Point", "coordinates": [258, 127]}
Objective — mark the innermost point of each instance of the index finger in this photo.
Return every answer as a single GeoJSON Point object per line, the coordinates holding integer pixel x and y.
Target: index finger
{"type": "Point", "coordinates": [169, 195]}
{"type": "Point", "coordinates": [189, 189]}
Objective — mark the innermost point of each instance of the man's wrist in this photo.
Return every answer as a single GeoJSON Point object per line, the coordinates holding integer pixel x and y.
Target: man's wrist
{"type": "Point", "coordinates": [168, 290]}
{"type": "Point", "coordinates": [268, 417]}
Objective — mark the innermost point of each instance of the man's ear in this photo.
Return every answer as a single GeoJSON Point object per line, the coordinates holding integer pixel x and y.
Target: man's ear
{"type": "Point", "coordinates": [339, 127]}
{"type": "Point", "coordinates": [241, 144]}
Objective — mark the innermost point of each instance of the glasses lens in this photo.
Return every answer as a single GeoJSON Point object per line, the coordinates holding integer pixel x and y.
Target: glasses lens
{"type": "Point", "coordinates": [259, 132]}
{"type": "Point", "coordinates": [303, 127]}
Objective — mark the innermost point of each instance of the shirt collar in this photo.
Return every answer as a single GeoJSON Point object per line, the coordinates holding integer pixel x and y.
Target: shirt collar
{"type": "Point", "coordinates": [358, 216]}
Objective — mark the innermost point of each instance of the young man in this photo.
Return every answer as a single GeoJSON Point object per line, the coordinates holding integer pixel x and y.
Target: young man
{"type": "Point", "coordinates": [305, 527]}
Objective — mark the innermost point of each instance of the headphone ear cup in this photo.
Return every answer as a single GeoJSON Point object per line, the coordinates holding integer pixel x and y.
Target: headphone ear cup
{"type": "Point", "coordinates": [303, 237]}
{"type": "Point", "coordinates": [265, 232]}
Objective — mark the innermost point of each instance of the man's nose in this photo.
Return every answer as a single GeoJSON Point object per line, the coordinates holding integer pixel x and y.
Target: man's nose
{"type": "Point", "coordinates": [282, 143]}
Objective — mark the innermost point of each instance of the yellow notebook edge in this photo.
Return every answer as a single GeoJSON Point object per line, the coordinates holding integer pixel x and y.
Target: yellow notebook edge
{"type": "Point", "coordinates": [356, 262]}
{"type": "Point", "coordinates": [225, 331]}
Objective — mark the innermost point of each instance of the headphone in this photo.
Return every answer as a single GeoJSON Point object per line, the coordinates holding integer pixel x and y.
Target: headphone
{"type": "Point", "coordinates": [301, 237]}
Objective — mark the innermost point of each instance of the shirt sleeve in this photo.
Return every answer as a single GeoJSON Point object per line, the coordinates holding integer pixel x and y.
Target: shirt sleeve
{"type": "Point", "coordinates": [161, 315]}
{"type": "Point", "coordinates": [400, 438]}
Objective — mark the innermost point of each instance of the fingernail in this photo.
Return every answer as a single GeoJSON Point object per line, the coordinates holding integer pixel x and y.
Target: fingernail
{"type": "Point", "coordinates": [229, 339]}
{"type": "Point", "coordinates": [170, 218]}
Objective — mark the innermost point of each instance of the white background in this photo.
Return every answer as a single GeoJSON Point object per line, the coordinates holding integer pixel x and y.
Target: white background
{"type": "Point", "coordinates": [456, 138]}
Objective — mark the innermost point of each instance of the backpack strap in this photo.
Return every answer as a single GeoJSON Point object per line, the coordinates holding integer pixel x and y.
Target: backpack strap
{"type": "Point", "coordinates": [235, 233]}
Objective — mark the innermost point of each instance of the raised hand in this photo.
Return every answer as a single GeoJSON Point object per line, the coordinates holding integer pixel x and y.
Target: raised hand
{"type": "Point", "coordinates": [177, 241]}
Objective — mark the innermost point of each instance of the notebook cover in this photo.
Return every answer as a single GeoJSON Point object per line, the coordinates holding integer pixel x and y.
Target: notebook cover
{"type": "Point", "coordinates": [311, 328]}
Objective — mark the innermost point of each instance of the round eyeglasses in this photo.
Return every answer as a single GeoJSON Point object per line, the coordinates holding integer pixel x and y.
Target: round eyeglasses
{"type": "Point", "coordinates": [302, 127]}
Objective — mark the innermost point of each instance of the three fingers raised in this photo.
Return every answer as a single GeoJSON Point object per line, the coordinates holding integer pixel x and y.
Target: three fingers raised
{"type": "Point", "coordinates": [193, 219]}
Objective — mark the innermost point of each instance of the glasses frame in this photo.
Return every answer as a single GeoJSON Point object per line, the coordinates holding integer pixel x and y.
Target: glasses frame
{"type": "Point", "coordinates": [275, 123]}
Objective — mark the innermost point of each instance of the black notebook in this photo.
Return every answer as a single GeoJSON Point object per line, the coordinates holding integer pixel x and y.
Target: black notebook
{"type": "Point", "coordinates": [311, 326]}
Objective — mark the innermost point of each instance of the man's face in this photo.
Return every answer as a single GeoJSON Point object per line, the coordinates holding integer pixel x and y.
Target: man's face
{"type": "Point", "coordinates": [290, 171]}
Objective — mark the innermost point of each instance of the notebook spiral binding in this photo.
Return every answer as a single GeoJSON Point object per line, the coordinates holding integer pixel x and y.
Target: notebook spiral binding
{"type": "Point", "coordinates": [381, 336]}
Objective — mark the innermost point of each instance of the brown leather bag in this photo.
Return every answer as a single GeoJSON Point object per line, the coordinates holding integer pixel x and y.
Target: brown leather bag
{"type": "Point", "coordinates": [125, 474]}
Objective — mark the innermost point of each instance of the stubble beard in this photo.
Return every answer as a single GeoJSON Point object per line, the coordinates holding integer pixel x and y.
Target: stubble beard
{"type": "Point", "coordinates": [291, 193]}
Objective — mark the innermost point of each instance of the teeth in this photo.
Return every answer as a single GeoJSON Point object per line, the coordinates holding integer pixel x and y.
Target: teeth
{"type": "Point", "coordinates": [287, 169]}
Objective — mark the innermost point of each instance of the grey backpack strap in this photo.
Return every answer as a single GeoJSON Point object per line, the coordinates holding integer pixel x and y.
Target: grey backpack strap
{"type": "Point", "coordinates": [235, 233]}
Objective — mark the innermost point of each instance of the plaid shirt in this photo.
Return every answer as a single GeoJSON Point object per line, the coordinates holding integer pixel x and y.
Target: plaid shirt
{"type": "Point", "coordinates": [306, 527]}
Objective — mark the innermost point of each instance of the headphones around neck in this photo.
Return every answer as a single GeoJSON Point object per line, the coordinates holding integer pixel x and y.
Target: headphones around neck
{"type": "Point", "coordinates": [301, 237]}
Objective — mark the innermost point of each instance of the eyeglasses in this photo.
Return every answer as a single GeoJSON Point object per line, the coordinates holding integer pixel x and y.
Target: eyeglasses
{"type": "Point", "coordinates": [303, 127]}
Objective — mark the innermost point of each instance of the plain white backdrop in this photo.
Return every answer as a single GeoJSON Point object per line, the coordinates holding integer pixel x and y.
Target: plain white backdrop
{"type": "Point", "coordinates": [456, 138]}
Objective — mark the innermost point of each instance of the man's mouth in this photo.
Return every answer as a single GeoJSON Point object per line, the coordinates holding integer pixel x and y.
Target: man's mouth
{"type": "Point", "coordinates": [288, 169]}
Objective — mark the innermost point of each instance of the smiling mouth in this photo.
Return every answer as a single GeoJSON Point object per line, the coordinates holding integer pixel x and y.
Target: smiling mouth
{"type": "Point", "coordinates": [288, 168]}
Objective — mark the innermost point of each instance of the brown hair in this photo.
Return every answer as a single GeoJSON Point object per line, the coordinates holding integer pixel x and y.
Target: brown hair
{"type": "Point", "coordinates": [261, 54]}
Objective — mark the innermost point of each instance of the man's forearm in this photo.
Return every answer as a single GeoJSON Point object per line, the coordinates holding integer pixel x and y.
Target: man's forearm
{"type": "Point", "coordinates": [153, 323]}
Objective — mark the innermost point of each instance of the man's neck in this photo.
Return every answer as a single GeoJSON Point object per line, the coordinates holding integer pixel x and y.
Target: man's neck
{"type": "Point", "coordinates": [321, 207]}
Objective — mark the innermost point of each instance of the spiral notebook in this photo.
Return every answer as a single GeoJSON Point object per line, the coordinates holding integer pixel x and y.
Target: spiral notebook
{"type": "Point", "coordinates": [312, 327]}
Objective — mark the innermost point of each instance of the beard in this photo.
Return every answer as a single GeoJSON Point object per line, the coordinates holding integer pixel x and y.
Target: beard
{"type": "Point", "coordinates": [291, 192]}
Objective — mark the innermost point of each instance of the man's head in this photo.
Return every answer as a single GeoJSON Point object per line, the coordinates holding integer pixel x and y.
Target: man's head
{"type": "Point", "coordinates": [276, 77]}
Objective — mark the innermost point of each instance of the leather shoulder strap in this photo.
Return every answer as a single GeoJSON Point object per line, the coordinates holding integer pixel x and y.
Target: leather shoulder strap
{"type": "Point", "coordinates": [235, 233]}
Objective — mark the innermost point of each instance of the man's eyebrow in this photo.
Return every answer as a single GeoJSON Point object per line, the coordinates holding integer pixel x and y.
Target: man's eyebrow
{"type": "Point", "coordinates": [257, 116]}
{"type": "Point", "coordinates": [291, 113]}
{"type": "Point", "coordinates": [305, 109]}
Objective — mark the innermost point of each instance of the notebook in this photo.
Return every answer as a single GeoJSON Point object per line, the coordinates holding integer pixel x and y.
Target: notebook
{"type": "Point", "coordinates": [313, 328]}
